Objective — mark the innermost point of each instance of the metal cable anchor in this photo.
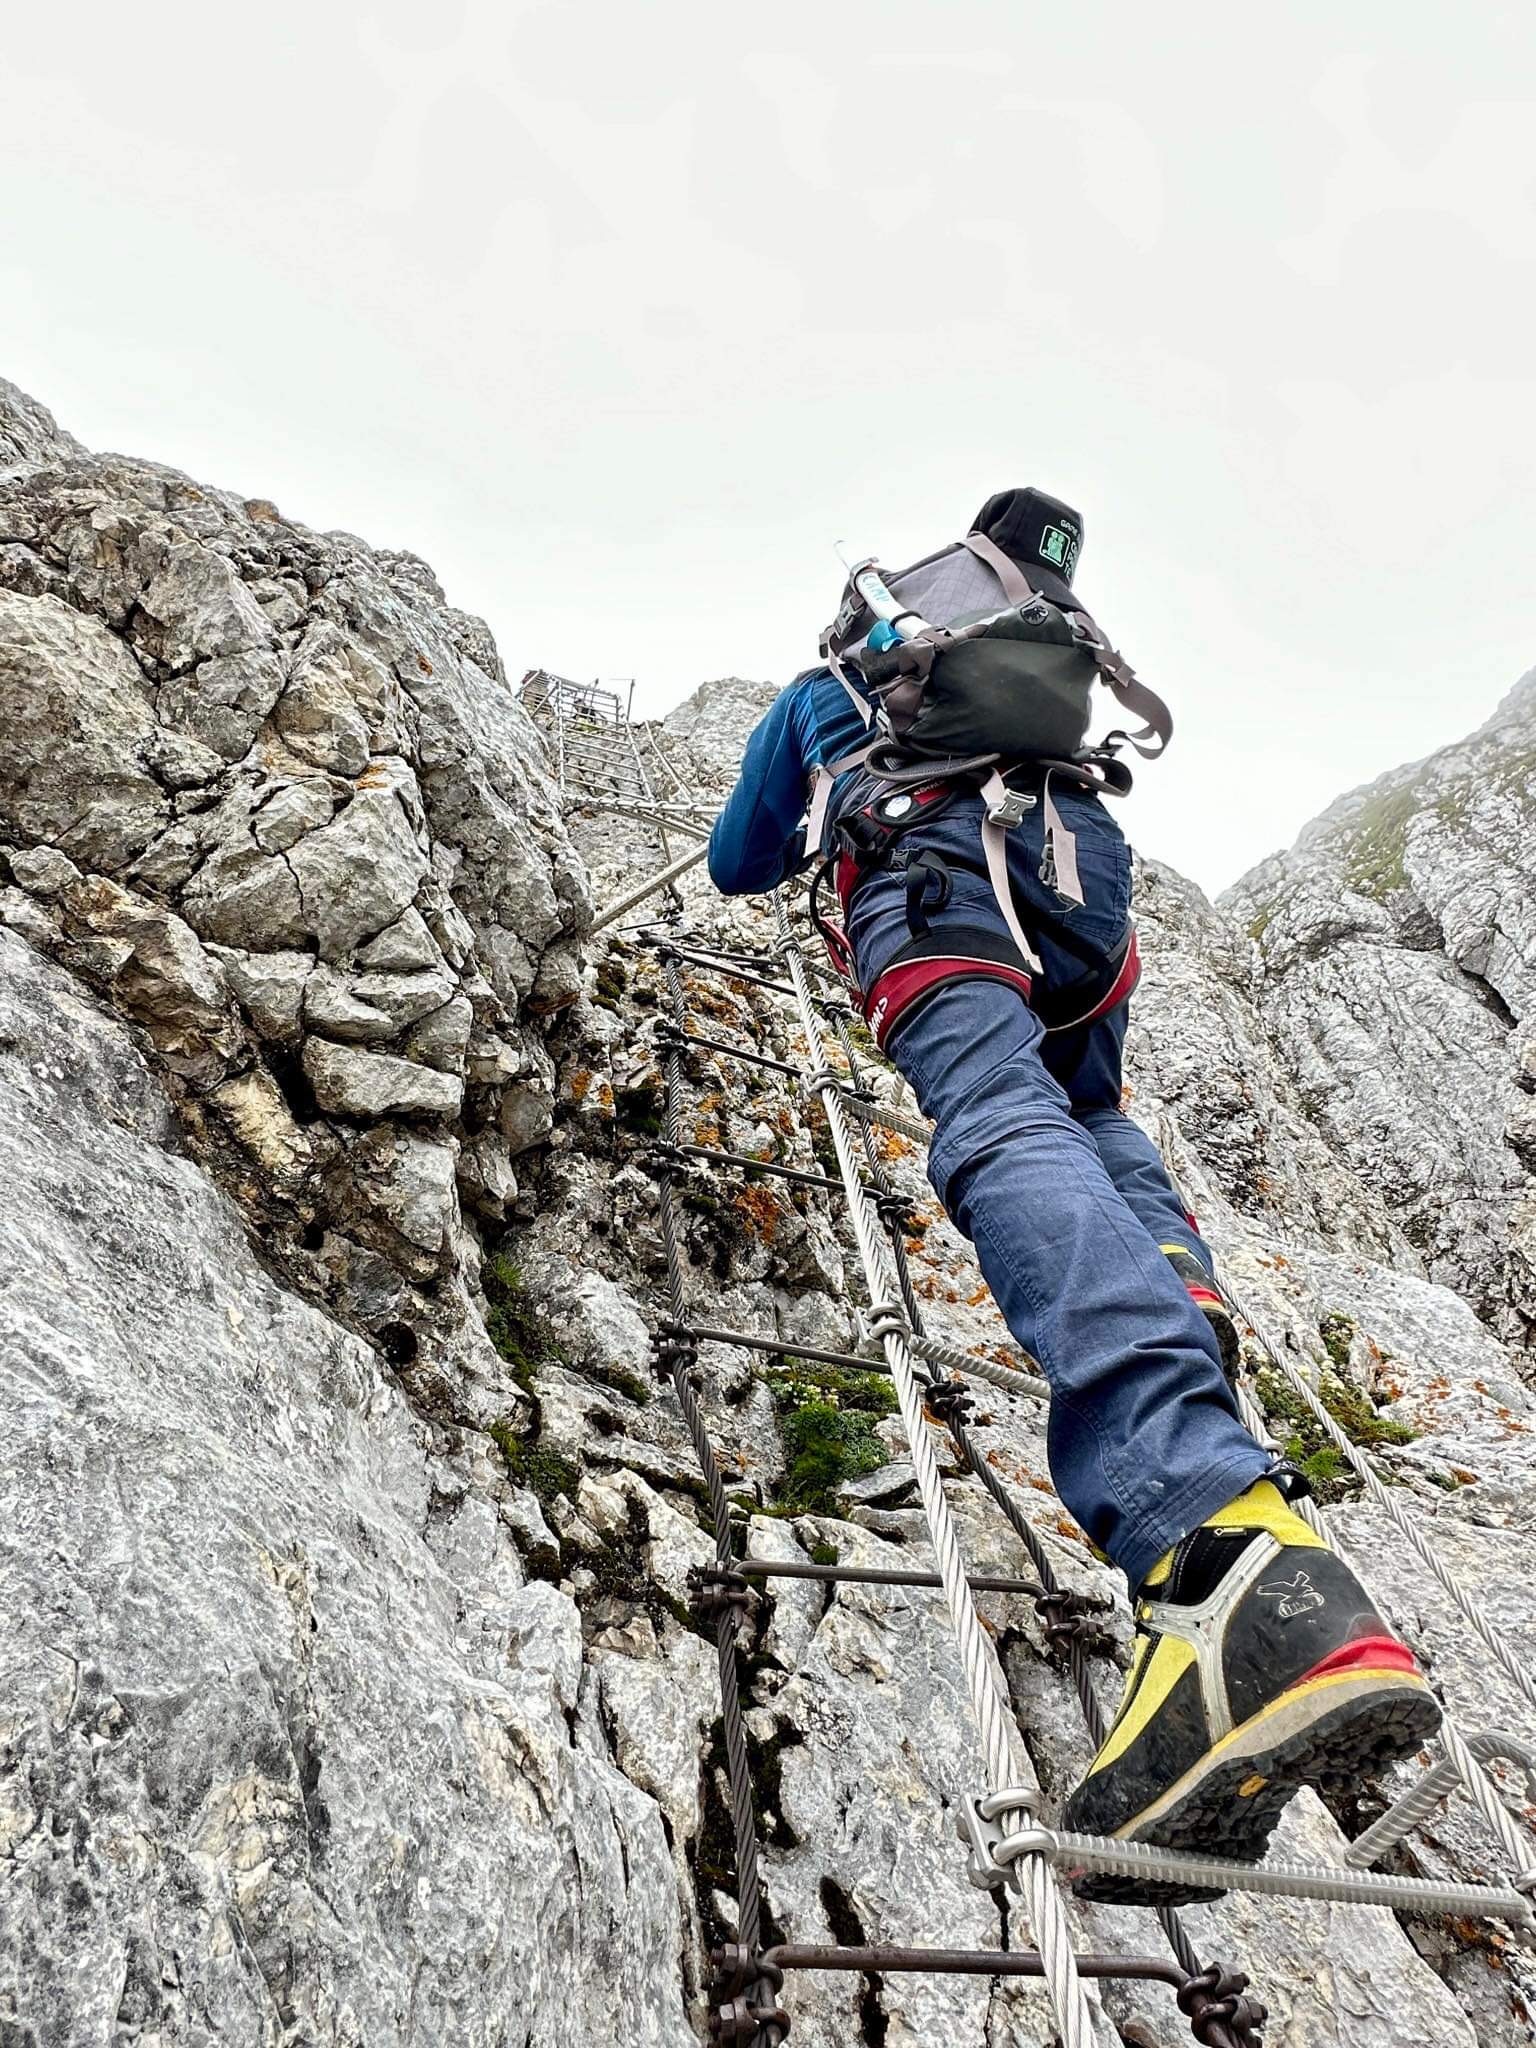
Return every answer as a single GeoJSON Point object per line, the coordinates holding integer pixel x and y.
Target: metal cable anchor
{"type": "Point", "coordinates": [980, 1828]}
{"type": "Point", "coordinates": [1067, 1618]}
{"type": "Point", "coordinates": [713, 1591]}
{"type": "Point", "coordinates": [949, 1400]}
{"type": "Point", "coordinates": [1215, 2000]}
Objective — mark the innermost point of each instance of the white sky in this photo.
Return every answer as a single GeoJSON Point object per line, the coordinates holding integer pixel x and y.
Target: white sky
{"type": "Point", "coordinates": [621, 316]}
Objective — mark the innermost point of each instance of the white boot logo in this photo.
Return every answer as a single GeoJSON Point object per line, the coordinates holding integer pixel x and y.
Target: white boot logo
{"type": "Point", "coordinates": [1296, 1596]}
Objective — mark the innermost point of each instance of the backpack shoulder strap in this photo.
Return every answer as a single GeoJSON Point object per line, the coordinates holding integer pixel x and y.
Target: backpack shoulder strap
{"type": "Point", "coordinates": [1017, 587]}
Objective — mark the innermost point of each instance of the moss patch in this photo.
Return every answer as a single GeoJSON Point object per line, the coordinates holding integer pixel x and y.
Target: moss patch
{"type": "Point", "coordinates": [827, 1417]}
{"type": "Point", "coordinates": [1373, 862]}
{"type": "Point", "coordinates": [641, 1108]}
{"type": "Point", "coordinates": [1309, 1446]}
{"type": "Point", "coordinates": [545, 1473]}
{"type": "Point", "coordinates": [515, 1327]}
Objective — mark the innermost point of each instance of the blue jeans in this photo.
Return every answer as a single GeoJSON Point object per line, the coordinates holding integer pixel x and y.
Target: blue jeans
{"type": "Point", "coordinates": [1064, 1198]}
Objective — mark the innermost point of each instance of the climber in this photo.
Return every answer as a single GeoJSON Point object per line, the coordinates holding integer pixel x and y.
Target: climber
{"type": "Point", "coordinates": [986, 926]}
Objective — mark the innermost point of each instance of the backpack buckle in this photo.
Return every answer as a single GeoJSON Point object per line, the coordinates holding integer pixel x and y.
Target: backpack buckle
{"type": "Point", "coordinates": [1008, 809]}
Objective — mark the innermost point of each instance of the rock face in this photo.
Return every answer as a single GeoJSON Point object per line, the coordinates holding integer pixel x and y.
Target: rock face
{"type": "Point", "coordinates": [350, 1695]}
{"type": "Point", "coordinates": [266, 792]}
{"type": "Point", "coordinates": [1395, 968]}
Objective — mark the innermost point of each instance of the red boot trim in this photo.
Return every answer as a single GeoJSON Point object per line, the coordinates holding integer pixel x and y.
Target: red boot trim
{"type": "Point", "coordinates": [1370, 1653]}
{"type": "Point", "coordinates": [1204, 1295]}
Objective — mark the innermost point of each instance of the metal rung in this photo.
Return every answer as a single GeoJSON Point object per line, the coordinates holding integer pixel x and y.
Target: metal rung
{"type": "Point", "coordinates": [993, 1852]}
{"type": "Point", "coordinates": [749, 1165]}
{"type": "Point", "coordinates": [965, 1962]}
{"type": "Point", "coordinates": [855, 1575]}
{"type": "Point", "coordinates": [734, 1052]}
{"type": "Point", "coordinates": [783, 1347]}
{"type": "Point", "coordinates": [733, 973]}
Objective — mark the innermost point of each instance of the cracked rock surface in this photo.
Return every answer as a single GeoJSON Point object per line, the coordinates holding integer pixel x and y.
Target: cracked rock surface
{"type": "Point", "coordinates": [350, 1694]}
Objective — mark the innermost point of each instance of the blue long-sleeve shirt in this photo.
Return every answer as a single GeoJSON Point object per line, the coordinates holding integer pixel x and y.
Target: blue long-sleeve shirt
{"type": "Point", "coordinates": [757, 840]}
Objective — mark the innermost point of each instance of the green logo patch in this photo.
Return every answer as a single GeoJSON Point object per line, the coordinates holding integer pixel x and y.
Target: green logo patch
{"type": "Point", "coordinates": [1059, 548]}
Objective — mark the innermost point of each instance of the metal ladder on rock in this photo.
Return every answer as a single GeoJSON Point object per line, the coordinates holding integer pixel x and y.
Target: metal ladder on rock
{"type": "Point", "coordinates": [1008, 1842]}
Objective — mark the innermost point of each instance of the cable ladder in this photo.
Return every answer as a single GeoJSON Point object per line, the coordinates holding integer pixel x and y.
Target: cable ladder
{"type": "Point", "coordinates": [1008, 1844]}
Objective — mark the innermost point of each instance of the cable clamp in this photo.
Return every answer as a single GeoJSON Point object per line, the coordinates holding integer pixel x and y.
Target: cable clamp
{"type": "Point", "coordinates": [816, 1078]}
{"type": "Point", "coordinates": [894, 1210]}
{"type": "Point", "coordinates": [673, 1347]}
{"type": "Point", "coordinates": [1067, 1617]}
{"type": "Point", "coordinates": [713, 1592]}
{"type": "Point", "coordinates": [738, 2019]}
{"type": "Point", "coordinates": [993, 1848]}
{"type": "Point", "coordinates": [1217, 2011]}
{"type": "Point", "coordinates": [949, 1401]}
{"type": "Point", "coordinates": [883, 1319]}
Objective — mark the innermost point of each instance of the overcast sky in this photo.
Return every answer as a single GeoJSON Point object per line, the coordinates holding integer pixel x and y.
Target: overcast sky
{"type": "Point", "coordinates": [623, 315]}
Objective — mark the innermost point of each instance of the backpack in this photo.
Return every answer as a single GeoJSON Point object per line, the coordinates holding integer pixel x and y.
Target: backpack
{"type": "Point", "coordinates": [973, 661]}
{"type": "Point", "coordinates": [982, 648]}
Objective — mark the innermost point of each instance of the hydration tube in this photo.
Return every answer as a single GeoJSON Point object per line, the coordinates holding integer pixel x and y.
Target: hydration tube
{"type": "Point", "coordinates": [866, 579]}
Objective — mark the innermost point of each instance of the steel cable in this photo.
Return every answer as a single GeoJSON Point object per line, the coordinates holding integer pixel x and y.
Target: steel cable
{"type": "Point", "coordinates": [983, 1677]}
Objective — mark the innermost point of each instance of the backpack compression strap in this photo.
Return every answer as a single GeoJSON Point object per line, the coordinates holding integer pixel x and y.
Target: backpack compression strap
{"type": "Point", "coordinates": [1116, 671]}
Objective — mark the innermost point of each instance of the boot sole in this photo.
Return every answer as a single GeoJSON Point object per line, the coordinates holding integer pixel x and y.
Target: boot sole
{"type": "Point", "coordinates": [1324, 1732]}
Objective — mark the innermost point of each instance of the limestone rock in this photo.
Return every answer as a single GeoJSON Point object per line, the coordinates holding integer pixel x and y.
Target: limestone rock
{"type": "Point", "coordinates": [238, 1684]}
{"type": "Point", "coordinates": [77, 722]}
{"type": "Point", "coordinates": [346, 1530]}
{"type": "Point", "coordinates": [348, 1082]}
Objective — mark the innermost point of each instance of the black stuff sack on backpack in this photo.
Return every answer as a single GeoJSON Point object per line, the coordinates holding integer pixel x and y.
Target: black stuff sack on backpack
{"type": "Point", "coordinates": [1010, 666]}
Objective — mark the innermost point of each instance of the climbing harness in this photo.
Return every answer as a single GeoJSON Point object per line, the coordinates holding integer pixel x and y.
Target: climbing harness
{"type": "Point", "coordinates": [1003, 1827]}
{"type": "Point", "coordinates": [871, 835]}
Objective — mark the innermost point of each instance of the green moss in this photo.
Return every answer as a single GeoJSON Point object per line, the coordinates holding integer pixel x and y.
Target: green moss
{"type": "Point", "coordinates": [825, 1553]}
{"type": "Point", "coordinates": [827, 1421]}
{"type": "Point", "coordinates": [1446, 1481]}
{"type": "Point", "coordinates": [515, 1327]}
{"type": "Point", "coordinates": [1337, 1331]}
{"type": "Point", "coordinates": [1374, 852]}
{"type": "Point", "coordinates": [621, 1380]}
{"type": "Point", "coordinates": [1259, 925]}
{"type": "Point", "coordinates": [1308, 1445]}
{"type": "Point", "coordinates": [545, 1473]}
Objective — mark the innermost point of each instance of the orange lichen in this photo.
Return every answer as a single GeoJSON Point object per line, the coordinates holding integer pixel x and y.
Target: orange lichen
{"type": "Point", "coordinates": [758, 1209]}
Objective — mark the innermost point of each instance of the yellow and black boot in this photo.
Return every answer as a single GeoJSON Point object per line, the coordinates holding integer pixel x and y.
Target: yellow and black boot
{"type": "Point", "coordinates": [1204, 1294]}
{"type": "Point", "coordinates": [1260, 1666]}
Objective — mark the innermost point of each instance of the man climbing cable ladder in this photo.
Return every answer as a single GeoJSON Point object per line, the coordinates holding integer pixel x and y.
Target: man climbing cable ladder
{"type": "Point", "coordinates": [985, 897]}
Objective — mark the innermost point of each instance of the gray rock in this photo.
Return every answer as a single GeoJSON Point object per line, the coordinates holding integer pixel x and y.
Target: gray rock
{"type": "Point", "coordinates": [359, 873]}
{"type": "Point", "coordinates": [285, 1660]}
{"type": "Point", "coordinates": [405, 947]}
{"type": "Point", "coordinates": [29, 432]}
{"type": "Point", "coordinates": [197, 609]}
{"type": "Point", "coordinates": [892, 1486]}
{"type": "Point", "coordinates": [292, 809]}
{"type": "Point", "coordinates": [369, 1006]}
{"type": "Point", "coordinates": [348, 1082]}
{"type": "Point", "coordinates": [76, 723]}
{"type": "Point", "coordinates": [270, 988]}
{"type": "Point", "coordinates": [224, 702]}
{"type": "Point", "coordinates": [43, 871]}
{"type": "Point", "coordinates": [441, 1039]}
{"type": "Point", "coordinates": [238, 1685]}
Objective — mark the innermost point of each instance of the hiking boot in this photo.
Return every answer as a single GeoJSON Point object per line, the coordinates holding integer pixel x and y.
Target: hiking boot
{"type": "Point", "coordinates": [1260, 1666]}
{"type": "Point", "coordinates": [1202, 1292]}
